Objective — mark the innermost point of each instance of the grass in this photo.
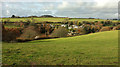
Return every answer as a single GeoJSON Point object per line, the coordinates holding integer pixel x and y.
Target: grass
{"type": "Point", "coordinates": [52, 19]}
{"type": "Point", "coordinates": [91, 20]}
{"type": "Point", "coordinates": [36, 19]}
{"type": "Point", "coordinates": [11, 26]}
{"type": "Point", "coordinates": [92, 49]}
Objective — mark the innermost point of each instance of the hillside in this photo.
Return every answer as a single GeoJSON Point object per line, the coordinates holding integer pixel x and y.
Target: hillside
{"type": "Point", "coordinates": [94, 49]}
{"type": "Point", "coordinates": [53, 19]}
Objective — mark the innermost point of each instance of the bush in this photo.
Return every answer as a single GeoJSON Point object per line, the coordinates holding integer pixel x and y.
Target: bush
{"type": "Point", "coordinates": [95, 28]}
{"type": "Point", "coordinates": [79, 23]}
{"type": "Point", "coordinates": [1, 27]}
{"type": "Point", "coordinates": [71, 23]}
{"type": "Point", "coordinates": [116, 27]}
{"type": "Point", "coordinates": [60, 32]}
{"type": "Point", "coordinates": [81, 31]}
{"type": "Point", "coordinates": [18, 24]}
{"type": "Point", "coordinates": [107, 23]}
{"type": "Point", "coordinates": [10, 34]}
{"type": "Point", "coordinates": [87, 29]}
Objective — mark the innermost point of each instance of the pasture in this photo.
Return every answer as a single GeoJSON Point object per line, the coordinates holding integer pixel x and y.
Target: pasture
{"type": "Point", "coordinates": [54, 19]}
{"type": "Point", "coordinates": [92, 49]}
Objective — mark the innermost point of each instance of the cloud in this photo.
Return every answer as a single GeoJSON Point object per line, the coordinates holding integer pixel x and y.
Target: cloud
{"type": "Point", "coordinates": [64, 4]}
{"type": "Point", "coordinates": [79, 8]}
{"type": "Point", "coordinates": [31, 0]}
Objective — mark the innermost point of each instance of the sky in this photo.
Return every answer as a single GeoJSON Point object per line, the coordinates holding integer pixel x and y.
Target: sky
{"type": "Point", "coordinates": [104, 9]}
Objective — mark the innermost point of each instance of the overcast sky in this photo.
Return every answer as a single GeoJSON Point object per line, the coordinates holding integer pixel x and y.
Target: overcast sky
{"type": "Point", "coordinates": [64, 8]}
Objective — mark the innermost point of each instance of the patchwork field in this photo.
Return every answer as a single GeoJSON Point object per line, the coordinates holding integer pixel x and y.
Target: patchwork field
{"type": "Point", "coordinates": [92, 49]}
{"type": "Point", "coordinates": [52, 19]}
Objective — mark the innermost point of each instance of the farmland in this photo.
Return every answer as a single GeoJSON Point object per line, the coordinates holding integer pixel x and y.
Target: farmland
{"type": "Point", "coordinates": [54, 19]}
{"type": "Point", "coordinates": [28, 41]}
{"type": "Point", "coordinates": [59, 33]}
{"type": "Point", "coordinates": [92, 49]}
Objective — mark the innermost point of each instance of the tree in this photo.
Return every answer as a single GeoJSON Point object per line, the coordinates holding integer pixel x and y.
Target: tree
{"type": "Point", "coordinates": [10, 34]}
{"type": "Point", "coordinates": [46, 16]}
{"type": "Point", "coordinates": [13, 16]}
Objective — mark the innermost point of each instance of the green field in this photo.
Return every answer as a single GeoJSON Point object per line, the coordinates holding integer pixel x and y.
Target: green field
{"type": "Point", "coordinates": [92, 49]}
{"type": "Point", "coordinates": [52, 19]}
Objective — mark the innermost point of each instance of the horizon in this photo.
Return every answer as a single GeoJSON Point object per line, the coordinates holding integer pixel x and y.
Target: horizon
{"type": "Point", "coordinates": [61, 17]}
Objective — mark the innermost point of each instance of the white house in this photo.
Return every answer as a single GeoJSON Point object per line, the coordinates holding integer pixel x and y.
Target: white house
{"type": "Point", "coordinates": [63, 25]}
{"type": "Point", "coordinates": [75, 26]}
{"type": "Point", "coordinates": [69, 27]}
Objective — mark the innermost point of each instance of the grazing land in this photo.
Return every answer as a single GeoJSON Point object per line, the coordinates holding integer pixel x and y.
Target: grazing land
{"type": "Point", "coordinates": [54, 19]}
{"type": "Point", "coordinates": [93, 49]}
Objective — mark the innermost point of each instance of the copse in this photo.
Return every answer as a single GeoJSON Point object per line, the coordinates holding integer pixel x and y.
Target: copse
{"type": "Point", "coordinates": [79, 23]}
{"type": "Point", "coordinates": [116, 27]}
{"type": "Point", "coordinates": [81, 31]}
{"type": "Point", "coordinates": [10, 34]}
{"type": "Point", "coordinates": [95, 28]}
{"type": "Point", "coordinates": [71, 23]}
{"type": "Point", "coordinates": [87, 29]}
{"type": "Point", "coordinates": [107, 23]}
{"type": "Point", "coordinates": [60, 32]}
{"type": "Point", "coordinates": [30, 32]}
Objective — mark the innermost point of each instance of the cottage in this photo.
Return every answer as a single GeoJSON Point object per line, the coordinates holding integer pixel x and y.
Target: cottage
{"type": "Point", "coordinates": [63, 25]}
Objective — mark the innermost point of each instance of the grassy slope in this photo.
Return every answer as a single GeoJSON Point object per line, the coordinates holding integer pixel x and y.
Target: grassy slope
{"type": "Point", "coordinates": [36, 19]}
{"type": "Point", "coordinates": [98, 48]}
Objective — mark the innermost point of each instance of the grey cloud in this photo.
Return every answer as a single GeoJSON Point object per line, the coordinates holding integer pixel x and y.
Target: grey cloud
{"type": "Point", "coordinates": [70, 9]}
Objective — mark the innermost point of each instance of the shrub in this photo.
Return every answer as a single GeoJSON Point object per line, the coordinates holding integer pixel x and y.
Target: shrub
{"type": "Point", "coordinates": [45, 29]}
{"type": "Point", "coordinates": [71, 23]}
{"type": "Point", "coordinates": [79, 23]}
{"type": "Point", "coordinates": [1, 27]}
{"type": "Point", "coordinates": [95, 28]}
{"type": "Point", "coordinates": [10, 34]}
{"type": "Point", "coordinates": [96, 21]}
{"type": "Point", "coordinates": [87, 29]}
{"type": "Point", "coordinates": [107, 23]}
{"type": "Point", "coordinates": [60, 32]}
{"type": "Point", "coordinates": [42, 29]}
{"type": "Point", "coordinates": [18, 24]}
{"type": "Point", "coordinates": [116, 27]}
{"type": "Point", "coordinates": [81, 31]}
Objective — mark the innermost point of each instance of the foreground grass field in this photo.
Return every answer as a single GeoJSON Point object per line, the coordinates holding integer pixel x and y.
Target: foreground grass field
{"type": "Point", "coordinates": [92, 49]}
